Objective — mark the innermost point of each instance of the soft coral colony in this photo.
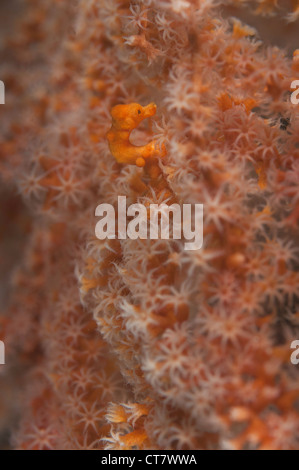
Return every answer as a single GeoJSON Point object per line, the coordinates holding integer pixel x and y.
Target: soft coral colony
{"type": "Point", "coordinates": [139, 344]}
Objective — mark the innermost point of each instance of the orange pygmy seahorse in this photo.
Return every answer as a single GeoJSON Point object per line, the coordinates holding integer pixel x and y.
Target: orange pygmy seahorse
{"type": "Point", "coordinates": [125, 118]}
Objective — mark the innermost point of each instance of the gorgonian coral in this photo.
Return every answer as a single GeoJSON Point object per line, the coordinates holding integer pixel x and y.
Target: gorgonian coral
{"type": "Point", "coordinates": [140, 344]}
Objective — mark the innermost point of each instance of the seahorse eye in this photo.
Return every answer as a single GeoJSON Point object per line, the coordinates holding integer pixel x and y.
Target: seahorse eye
{"type": "Point", "coordinates": [139, 111]}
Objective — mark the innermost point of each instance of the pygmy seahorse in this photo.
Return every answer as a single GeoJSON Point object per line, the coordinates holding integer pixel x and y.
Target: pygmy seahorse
{"type": "Point", "coordinates": [125, 118]}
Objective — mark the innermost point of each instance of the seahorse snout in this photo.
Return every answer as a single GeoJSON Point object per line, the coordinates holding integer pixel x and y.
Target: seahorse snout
{"type": "Point", "coordinates": [150, 110]}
